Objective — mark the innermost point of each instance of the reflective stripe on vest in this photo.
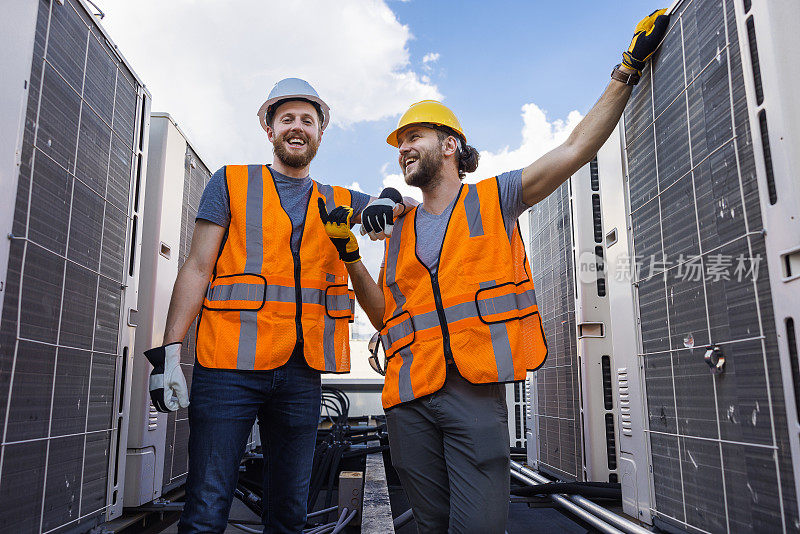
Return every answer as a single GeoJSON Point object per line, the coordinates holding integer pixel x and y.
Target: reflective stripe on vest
{"type": "Point", "coordinates": [486, 295]}
{"type": "Point", "coordinates": [250, 313]}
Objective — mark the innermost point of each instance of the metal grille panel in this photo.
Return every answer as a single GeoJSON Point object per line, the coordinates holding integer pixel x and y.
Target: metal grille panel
{"type": "Point", "coordinates": [61, 318]}
{"type": "Point", "coordinates": [720, 452]}
{"type": "Point", "coordinates": [176, 465]}
{"type": "Point", "coordinates": [555, 406]}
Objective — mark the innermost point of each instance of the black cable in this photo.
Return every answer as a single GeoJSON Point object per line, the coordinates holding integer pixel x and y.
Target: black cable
{"type": "Point", "coordinates": [599, 490]}
{"type": "Point", "coordinates": [249, 498]}
{"type": "Point", "coordinates": [322, 458]}
{"type": "Point", "coordinates": [361, 429]}
{"type": "Point", "coordinates": [362, 439]}
{"type": "Point", "coordinates": [365, 451]}
{"type": "Point", "coordinates": [332, 477]}
{"type": "Point", "coordinates": [403, 518]}
{"type": "Point", "coordinates": [340, 396]}
{"type": "Point", "coordinates": [314, 490]}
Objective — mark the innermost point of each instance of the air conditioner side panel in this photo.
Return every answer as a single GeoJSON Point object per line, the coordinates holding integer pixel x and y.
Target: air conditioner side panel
{"type": "Point", "coordinates": [629, 398]}
{"type": "Point", "coordinates": [18, 26]}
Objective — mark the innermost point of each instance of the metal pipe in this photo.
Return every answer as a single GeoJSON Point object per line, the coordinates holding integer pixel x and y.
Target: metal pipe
{"type": "Point", "coordinates": [611, 518]}
{"type": "Point", "coordinates": [571, 507]}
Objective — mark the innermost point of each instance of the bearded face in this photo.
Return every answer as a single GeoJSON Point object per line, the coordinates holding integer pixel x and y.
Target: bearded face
{"type": "Point", "coordinates": [295, 133]}
{"type": "Point", "coordinates": [295, 148]}
{"type": "Point", "coordinates": [422, 164]}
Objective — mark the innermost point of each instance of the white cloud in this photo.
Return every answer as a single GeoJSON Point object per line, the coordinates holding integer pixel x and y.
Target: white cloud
{"type": "Point", "coordinates": [212, 64]}
{"type": "Point", "coordinates": [427, 63]}
{"type": "Point", "coordinates": [398, 182]}
{"type": "Point", "coordinates": [355, 186]}
{"type": "Point", "coordinates": [539, 136]}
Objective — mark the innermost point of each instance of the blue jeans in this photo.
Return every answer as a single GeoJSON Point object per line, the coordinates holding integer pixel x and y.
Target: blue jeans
{"type": "Point", "coordinates": [224, 405]}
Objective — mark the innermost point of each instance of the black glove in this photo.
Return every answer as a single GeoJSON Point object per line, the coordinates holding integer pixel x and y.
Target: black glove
{"type": "Point", "coordinates": [168, 389]}
{"type": "Point", "coordinates": [378, 217]}
{"type": "Point", "coordinates": [337, 226]}
{"type": "Point", "coordinates": [646, 38]}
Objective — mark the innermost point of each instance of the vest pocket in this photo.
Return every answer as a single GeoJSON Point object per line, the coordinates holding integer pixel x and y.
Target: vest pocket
{"type": "Point", "coordinates": [497, 303]}
{"type": "Point", "coordinates": [340, 302]}
{"type": "Point", "coordinates": [397, 334]}
{"type": "Point", "coordinates": [236, 292]}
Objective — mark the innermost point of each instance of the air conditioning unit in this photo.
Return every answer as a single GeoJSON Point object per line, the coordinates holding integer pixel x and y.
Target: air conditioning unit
{"type": "Point", "coordinates": [158, 442]}
{"type": "Point", "coordinates": [72, 161]}
{"type": "Point", "coordinates": [706, 261]}
{"type": "Point", "coordinates": [629, 406]}
{"type": "Point", "coordinates": [572, 411]}
{"type": "Point", "coordinates": [516, 397]}
{"type": "Point", "coordinates": [556, 434]}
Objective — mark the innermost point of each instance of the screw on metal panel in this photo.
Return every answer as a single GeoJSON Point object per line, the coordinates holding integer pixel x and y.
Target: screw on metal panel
{"type": "Point", "coordinates": [715, 359]}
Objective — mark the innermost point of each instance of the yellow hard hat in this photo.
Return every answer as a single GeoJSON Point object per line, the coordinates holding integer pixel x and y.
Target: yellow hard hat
{"type": "Point", "coordinates": [427, 112]}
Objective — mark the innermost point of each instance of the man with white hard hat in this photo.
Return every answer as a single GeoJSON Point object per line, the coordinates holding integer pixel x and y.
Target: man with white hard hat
{"type": "Point", "coordinates": [274, 310]}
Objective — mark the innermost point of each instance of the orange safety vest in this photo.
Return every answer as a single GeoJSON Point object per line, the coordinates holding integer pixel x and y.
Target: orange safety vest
{"type": "Point", "coordinates": [262, 298]}
{"type": "Point", "coordinates": [479, 310]}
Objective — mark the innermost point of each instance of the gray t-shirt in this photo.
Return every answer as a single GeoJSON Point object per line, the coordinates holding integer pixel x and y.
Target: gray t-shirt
{"type": "Point", "coordinates": [293, 192]}
{"type": "Point", "coordinates": [431, 228]}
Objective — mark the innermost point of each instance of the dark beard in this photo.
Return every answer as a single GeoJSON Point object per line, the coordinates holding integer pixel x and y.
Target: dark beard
{"type": "Point", "coordinates": [291, 159]}
{"type": "Point", "coordinates": [428, 166]}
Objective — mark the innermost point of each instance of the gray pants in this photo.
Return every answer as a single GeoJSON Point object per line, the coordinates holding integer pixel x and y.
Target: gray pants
{"type": "Point", "coordinates": [451, 451]}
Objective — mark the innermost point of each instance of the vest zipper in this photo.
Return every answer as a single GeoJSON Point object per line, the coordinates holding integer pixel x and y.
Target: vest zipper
{"type": "Point", "coordinates": [298, 298]}
{"type": "Point", "coordinates": [437, 298]}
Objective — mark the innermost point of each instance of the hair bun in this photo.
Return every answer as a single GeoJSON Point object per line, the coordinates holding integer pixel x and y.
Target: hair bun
{"type": "Point", "coordinates": [468, 160]}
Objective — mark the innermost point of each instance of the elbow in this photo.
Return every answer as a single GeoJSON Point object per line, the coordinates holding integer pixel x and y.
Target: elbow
{"type": "Point", "coordinates": [581, 150]}
{"type": "Point", "coordinates": [375, 316]}
{"type": "Point", "coordinates": [198, 270]}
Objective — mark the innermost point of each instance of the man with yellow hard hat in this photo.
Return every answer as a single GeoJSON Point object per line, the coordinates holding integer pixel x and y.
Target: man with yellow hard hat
{"type": "Point", "coordinates": [455, 305]}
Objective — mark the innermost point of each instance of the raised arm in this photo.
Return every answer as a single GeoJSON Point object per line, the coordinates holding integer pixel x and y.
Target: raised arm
{"type": "Point", "coordinates": [368, 293]}
{"type": "Point", "coordinates": [337, 226]}
{"type": "Point", "coordinates": [544, 175]}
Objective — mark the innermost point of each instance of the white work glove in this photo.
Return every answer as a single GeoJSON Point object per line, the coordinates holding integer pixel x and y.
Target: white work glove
{"type": "Point", "coordinates": [377, 219]}
{"type": "Point", "coordinates": [168, 389]}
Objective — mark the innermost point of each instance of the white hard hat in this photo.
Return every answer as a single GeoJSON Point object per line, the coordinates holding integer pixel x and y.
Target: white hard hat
{"type": "Point", "coordinates": [293, 89]}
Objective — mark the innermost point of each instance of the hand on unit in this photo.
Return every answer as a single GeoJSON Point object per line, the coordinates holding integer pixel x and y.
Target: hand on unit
{"type": "Point", "coordinates": [337, 226]}
{"type": "Point", "coordinates": [168, 389]}
{"type": "Point", "coordinates": [377, 219]}
{"type": "Point", "coordinates": [648, 35]}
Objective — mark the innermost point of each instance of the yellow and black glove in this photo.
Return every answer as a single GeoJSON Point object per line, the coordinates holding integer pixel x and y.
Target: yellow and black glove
{"type": "Point", "coordinates": [337, 226]}
{"type": "Point", "coordinates": [646, 38]}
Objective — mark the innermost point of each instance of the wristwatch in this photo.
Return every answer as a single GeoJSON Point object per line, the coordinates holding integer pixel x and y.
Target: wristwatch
{"type": "Point", "coordinates": [628, 78]}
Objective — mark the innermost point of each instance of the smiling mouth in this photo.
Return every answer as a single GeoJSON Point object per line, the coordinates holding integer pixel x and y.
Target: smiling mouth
{"type": "Point", "coordinates": [296, 142]}
{"type": "Point", "coordinates": [408, 162]}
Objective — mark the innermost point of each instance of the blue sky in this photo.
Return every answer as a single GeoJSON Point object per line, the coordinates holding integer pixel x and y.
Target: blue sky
{"type": "Point", "coordinates": [494, 57]}
{"type": "Point", "coordinates": [211, 63]}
